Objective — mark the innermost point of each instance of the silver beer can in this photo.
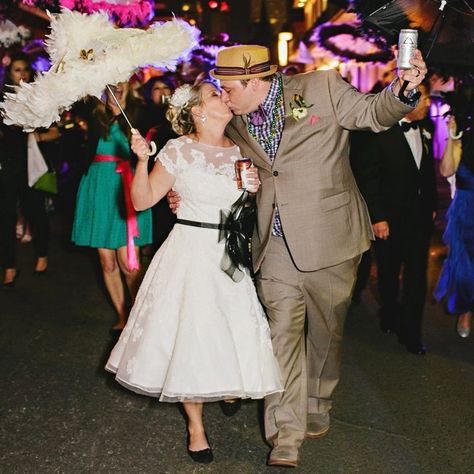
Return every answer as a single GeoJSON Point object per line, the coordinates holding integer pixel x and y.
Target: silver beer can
{"type": "Point", "coordinates": [407, 44]}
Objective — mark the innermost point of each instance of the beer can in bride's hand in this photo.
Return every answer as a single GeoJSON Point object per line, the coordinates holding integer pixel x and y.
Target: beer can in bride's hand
{"type": "Point", "coordinates": [241, 167]}
{"type": "Point", "coordinates": [407, 44]}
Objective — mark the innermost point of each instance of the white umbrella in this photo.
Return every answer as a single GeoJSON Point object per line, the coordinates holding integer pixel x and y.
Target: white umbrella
{"type": "Point", "coordinates": [87, 54]}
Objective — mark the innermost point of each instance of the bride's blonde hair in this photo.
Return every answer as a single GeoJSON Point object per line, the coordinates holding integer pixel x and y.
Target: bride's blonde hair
{"type": "Point", "coordinates": [179, 111]}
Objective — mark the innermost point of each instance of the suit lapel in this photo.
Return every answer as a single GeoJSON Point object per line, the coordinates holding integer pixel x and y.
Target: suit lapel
{"type": "Point", "coordinates": [290, 122]}
{"type": "Point", "coordinates": [240, 127]}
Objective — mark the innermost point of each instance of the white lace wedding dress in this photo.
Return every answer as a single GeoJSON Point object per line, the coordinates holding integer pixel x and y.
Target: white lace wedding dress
{"type": "Point", "coordinates": [194, 333]}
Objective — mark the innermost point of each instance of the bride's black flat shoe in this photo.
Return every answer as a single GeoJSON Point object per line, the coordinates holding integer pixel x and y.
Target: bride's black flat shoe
{"type": "Point", "coordinates": [204, 456]}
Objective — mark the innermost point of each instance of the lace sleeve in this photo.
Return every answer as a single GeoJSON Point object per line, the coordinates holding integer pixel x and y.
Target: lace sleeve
{"type": "Point", "coordinates": [169, 156]}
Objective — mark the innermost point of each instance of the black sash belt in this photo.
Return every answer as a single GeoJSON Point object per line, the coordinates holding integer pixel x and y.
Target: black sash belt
{"type": "Point", "coordinates": [235, 229]}
{"type": "Point", "coordinates": [204, 225]}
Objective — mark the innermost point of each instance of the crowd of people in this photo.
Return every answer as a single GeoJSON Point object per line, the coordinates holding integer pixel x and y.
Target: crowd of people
{"type": "Point", "coordinates": [324, 186]}
{"type": "Point", "coordinates": [86, 150]}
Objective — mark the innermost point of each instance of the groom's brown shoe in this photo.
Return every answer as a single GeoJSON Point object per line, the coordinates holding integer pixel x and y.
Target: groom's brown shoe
{"type": "Point", "coordinates": [283, 457]}
{"type": "Point", "coordinates": [282, 462]}
{"type": "Point", "coordinates": [317, 426]}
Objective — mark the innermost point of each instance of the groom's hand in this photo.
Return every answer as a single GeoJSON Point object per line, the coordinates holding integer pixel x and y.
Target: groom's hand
{"type": "Point", "coordinates": [173, 201]}
{"type": "Point", "coordinates": [381, 230]}
{"type": "Point", "coordinates": [414, 76]}
{"type": "Point", "coordinates": [253, 181]}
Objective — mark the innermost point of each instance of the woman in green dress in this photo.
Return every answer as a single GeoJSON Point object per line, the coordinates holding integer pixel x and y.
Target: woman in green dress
{"type": "Point", "coordinates": [104, 217]}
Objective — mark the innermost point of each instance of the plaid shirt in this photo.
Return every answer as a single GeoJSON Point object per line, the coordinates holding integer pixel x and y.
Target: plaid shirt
{"type": "Point", "coordinates": [268, 134]}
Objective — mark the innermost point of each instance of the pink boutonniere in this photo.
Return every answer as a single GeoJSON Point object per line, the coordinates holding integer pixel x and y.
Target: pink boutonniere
{"type": "Point", "coordinates": [314, 119]}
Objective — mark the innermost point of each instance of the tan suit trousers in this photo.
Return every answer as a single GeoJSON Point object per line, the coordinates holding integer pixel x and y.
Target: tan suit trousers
{"type": "Point", "coordinates": [309, 366]}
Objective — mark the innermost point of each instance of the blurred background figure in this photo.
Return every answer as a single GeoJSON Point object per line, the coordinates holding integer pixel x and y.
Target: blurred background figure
{"type": "Point", "coordinates": [158, 89]}
{"type": "Point", "coordinates": [381, 84]}
{"type": "Point", "coordinates": [363, 271]}
{"type": "Point", "coordinates": [396, 176]}
{"type": "Point", "coordinates": [291, 70]}
{"type": "Point", "coordinates": [156, 93]}
{"type": "Point", "coordinates": [456, 281]}
{"type": "Point", "coordinates": [102, 212]}
{"type": "Point", "coordinates": [14, 187]}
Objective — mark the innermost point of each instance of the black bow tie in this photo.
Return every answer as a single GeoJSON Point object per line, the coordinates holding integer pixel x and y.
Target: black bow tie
{"type": "Point", "coordinates": [407, 125]}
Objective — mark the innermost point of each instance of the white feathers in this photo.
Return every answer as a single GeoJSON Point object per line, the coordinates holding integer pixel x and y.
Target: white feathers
{"type": "Point", "coordinates": [11, 34]}
{"type": "Point", "coordinates": [88, 53]}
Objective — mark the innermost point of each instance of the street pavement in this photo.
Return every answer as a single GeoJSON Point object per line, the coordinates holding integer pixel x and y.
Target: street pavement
{"type": "Point", "coordinates": [62, 413]}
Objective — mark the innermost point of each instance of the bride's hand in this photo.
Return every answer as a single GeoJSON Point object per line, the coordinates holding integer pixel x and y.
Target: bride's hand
{"type": "Point", "coordinates": [139, 146]}
{"type": "Point", "coordinates": [253, 181]}
{"type": "Point", "coordinates": [452, 125]}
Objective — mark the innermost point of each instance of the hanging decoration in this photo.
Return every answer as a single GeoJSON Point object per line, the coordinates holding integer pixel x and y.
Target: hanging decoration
{"type": "Point", "coordinates": [203, 58]}
{"type": "Point", "coordinates": [11, 34]}
{"type": "Point", "coordinates": [36, 7]}
{"type": "Point", "coordinates": [51, 5]}
{"type": "Point", "coordinates": [209, 46]}
{"type": "Point", "coordinates": [347, 41]}
{"type": "Point", "coordinates": [122, 12]}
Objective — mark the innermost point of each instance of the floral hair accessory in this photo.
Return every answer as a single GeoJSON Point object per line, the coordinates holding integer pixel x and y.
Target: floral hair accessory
{"type": "Point", "coordinates": [299, 109]}
{"type": "Point", "coordinates": [181, 96]}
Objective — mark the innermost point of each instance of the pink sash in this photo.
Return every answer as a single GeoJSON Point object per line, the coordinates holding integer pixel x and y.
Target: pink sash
{"type": "Point", "coordinates": [124, 168]}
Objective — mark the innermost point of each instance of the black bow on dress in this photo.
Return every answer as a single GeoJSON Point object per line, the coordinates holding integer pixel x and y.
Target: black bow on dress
{"type": "Point", "coordinates": [236, 229]}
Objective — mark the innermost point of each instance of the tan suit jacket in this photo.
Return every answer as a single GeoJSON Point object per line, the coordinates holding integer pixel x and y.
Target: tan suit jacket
{"type": "Point", "coordinates": [324, 218]}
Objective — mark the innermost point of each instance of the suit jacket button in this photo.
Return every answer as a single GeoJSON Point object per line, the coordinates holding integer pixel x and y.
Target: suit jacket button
{"type": "Point", "coordinates": [275, 173]}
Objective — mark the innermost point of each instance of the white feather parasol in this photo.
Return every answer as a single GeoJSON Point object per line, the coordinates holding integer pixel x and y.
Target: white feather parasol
{"type": "Point", "coordinates": [87, 53]}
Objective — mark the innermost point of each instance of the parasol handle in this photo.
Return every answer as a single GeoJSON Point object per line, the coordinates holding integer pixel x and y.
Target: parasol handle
{"type": "Point", "coordinates": [153, 148]}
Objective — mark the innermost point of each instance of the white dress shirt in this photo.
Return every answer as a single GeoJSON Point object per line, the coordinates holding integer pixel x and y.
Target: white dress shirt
{"type": "Point", "coordinates": [413, 137]}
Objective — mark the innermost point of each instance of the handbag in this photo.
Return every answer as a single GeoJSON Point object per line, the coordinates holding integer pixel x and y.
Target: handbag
{"type": "Point", "coordinates": [37, 166]}
{"type": "Point", "coordinates": [39, 175]}
{"type": "Point", "coordinates": [47, 182]}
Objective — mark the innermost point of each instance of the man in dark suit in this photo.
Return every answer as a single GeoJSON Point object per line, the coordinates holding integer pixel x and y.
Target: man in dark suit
{"type": "Point", "coordinates": [395, 173]}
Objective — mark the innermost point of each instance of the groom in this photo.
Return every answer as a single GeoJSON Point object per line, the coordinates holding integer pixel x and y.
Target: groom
{"type": "Point", "coordinates": [312, 224]}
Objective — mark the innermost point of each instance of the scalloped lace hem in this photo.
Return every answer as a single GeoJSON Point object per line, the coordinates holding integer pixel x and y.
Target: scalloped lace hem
{"type": "Point", "coordinates": [201, 397]}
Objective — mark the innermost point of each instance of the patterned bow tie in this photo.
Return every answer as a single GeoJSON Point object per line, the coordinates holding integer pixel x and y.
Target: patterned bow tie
{"type": "Point", "coordinates": [407, 125]}
{"type": "Point", "coordinates": [258, 117]}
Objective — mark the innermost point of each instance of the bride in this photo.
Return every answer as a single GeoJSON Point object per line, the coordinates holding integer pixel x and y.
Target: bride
{"type": "Point", "coordinates": [195, 335]}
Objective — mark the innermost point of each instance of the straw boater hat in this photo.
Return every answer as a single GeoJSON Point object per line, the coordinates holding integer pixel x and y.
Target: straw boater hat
{"type": "Point", "coordinates": [243, 62]}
